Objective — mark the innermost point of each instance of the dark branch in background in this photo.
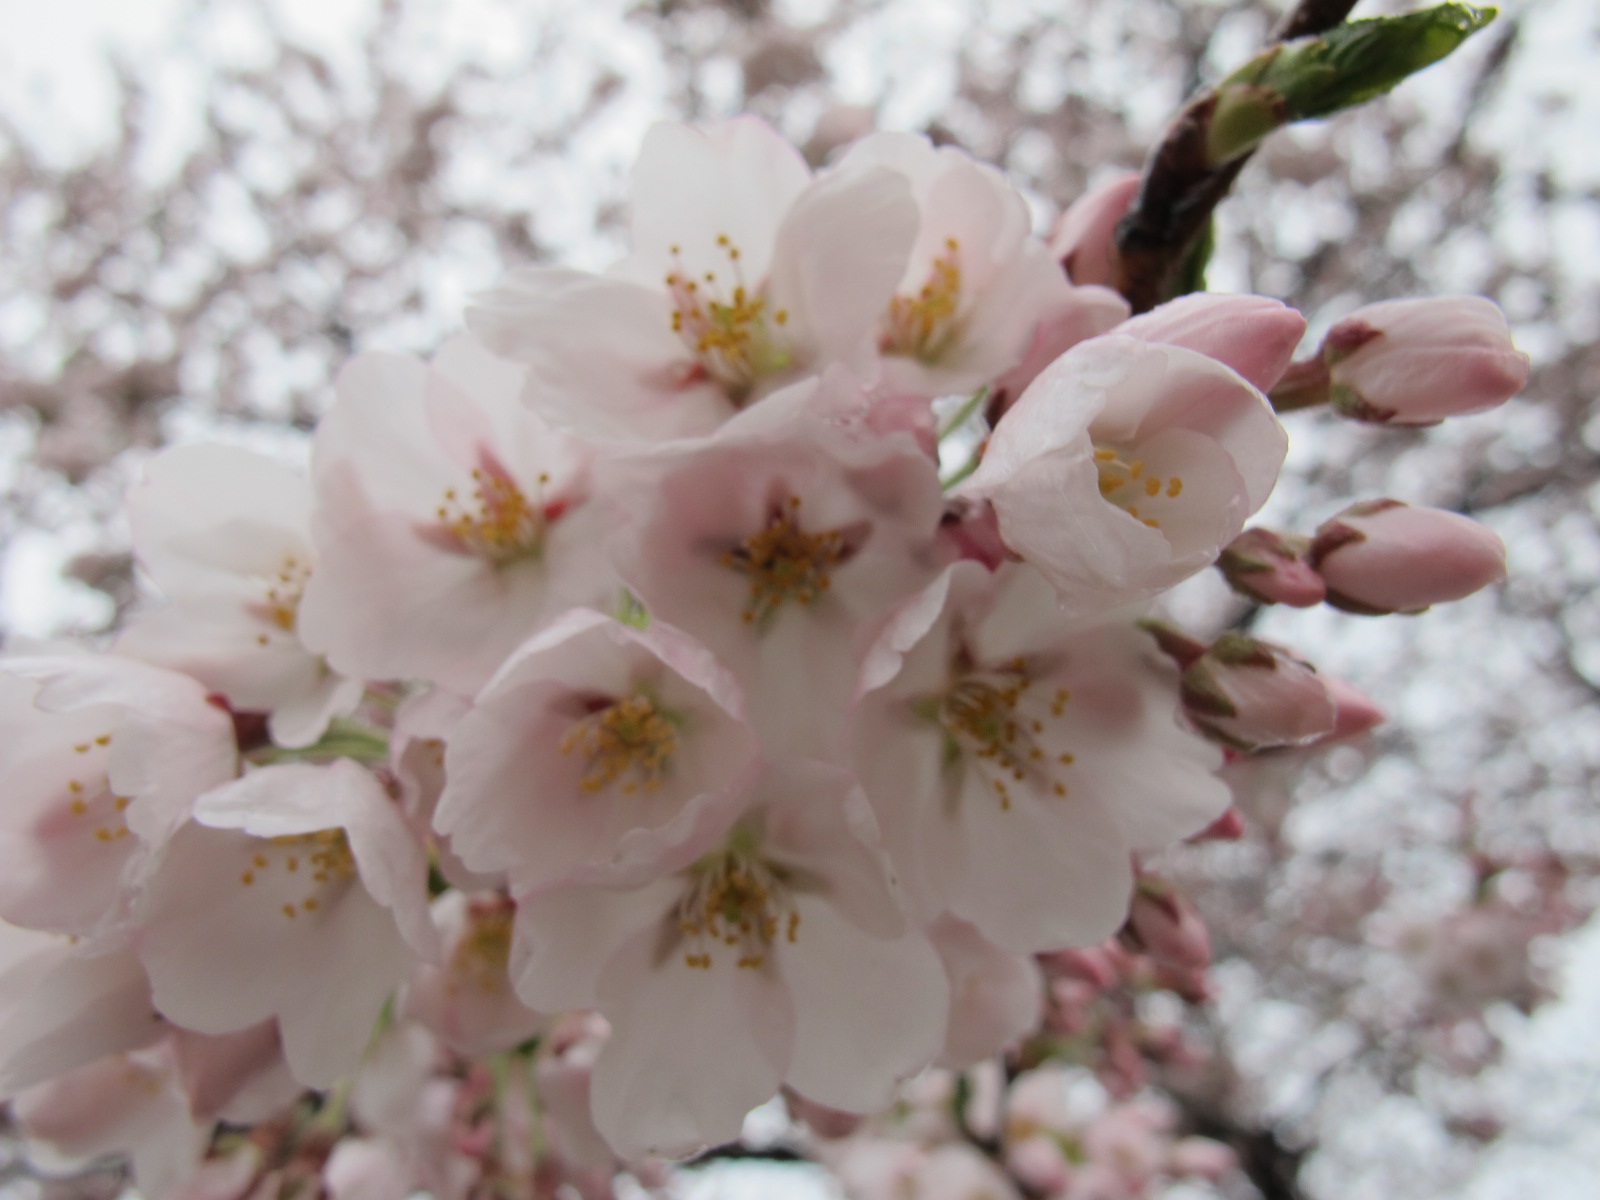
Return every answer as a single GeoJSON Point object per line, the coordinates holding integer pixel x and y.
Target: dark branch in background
{"type": "Point", "coordinates": [1312, 17]}
{"type": "Point", "coordinates": [1181, 188]}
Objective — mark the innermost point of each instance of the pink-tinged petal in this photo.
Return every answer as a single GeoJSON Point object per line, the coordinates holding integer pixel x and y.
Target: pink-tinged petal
{"type": "Point", "coordinates": [819, 826]}
{"type": "Point", "coordinates": [1084, 240]}
{"type": "Point", "coordinates": [564, 937]}
{"type": "Point", "coordinates": [1037, 879]}
{"type": "Point", "coordinates": [692, 186]}
{"type": "Point", "coordinates": [603, 358]}
{"type": "Point", "coordinates": [1078, 314]}
{"type": "Point", "coordinates": [1254, 335]}
{"type": "Point", "coordinates": [298, 798]}
{"type": "Point", "coordinates": [591, 731]}
{"type": "Point", "coordinates": [1069, 469]}
{"type": "Point", "coordinates": [237, 1077]}
{"type": "Point", "coordinates": [691, 1050]}
{"type": "Point", "coordinates": [448, 536]}
{"type": "Point", "coordinates": [204, 515]}
{"type": "Point", "coordinates": [783, 557]}
{"type": "Point", "coordinates": [996, 997]}
{"type": "Point", "coordinates": [61, 1008]}
{"type": "Point", "coordinates": [128, 1104]}
{"type": "Point", "coordinates": [467, 1000]}
{"type": "Point", "coordinates": [840, 253]}
{"type": "Point", "coordinates": [171, 744]}
{"type": "Point", "coordinates": [869, 1011]}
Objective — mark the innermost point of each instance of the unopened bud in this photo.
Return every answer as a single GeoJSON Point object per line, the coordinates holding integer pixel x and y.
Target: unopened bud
{"type": "Point", "coordinates": [1182, 648]}
{"type": "Point", "coordinates": [1416, 362]}
{"type": "Point", "coordinates": [1166, 926]}
{"type": "Point", "coordinates": [1254, 335]}
{"type": "Point", "coordinates": [1084, 241]}
{"type": "Point", "coordinates": [1382, 556]}
{"type": "Point", "coordinates": [1255, 696]}
{"type": "Point", "coordinates": [1271, 567]}
{"type": "Point", "coordinates": [1355, 712]}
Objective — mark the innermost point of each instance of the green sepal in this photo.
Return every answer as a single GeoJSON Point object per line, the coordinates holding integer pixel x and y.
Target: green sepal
{"type": "Point", "coordinates": [1316, 76]}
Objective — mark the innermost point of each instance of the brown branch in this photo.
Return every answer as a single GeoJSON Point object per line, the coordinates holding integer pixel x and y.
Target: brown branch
{"type": "Point", "coordinates": [1180, 188]}
{"type": "Point", "coordinates": [1311, 17]}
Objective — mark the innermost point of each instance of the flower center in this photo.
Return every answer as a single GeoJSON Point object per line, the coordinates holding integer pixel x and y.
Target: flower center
{"type": "Point", "coordinates": [279, 606]}
{"type": "Point", "coordinates": [1126, 483]}
{"type": "Point", "coordinates": [736, 901]}
{"type": "Point", "coordinates": [481, 956]}
{"type": "Point", "coordinates": [631, 740]}
{"type": "Point", "coordinates": [495, 520]}
{"type": "Point", "coordinates": [90, 802]}
{"type": "Point", "coordinates": [730, 332]}
{"type": "Point", "coordinates": [325, 856]}
{"type": "Point", "coordinates": [783, 562]}
{"type": "Point", "coordinates": [924, 326]}
{"type": "Point", "coordinates": [995, 717]}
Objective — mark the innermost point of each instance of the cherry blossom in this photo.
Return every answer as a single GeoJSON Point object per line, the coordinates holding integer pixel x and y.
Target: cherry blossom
{"type": "Point", "coordinates": [451, 523]}
{"type": "Point", "coordinates": [977, 284]}
{"type": "Point", "coordinates": [225, 533]}
{"type": "Point", "coordinates": [293, 877]}
{"type": "Point", "coordinates": [104, 759]}
{"type": "Point", "coordinates": [775, 953]}
{"type": "Point", "coordinates": [1015, 765]}
{"type": "Point", "coordinates": [746, 273]}
{"type": "Point", "coordinates": [592, 733]}
{"type": "Point", "coordinates": [1126, 467]}
{"type": "Point", "coordinates": [781, 553]}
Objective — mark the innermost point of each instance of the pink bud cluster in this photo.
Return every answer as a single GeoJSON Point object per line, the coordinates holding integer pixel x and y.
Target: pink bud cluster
{"type": "Point", "coordinates": [631, 717]}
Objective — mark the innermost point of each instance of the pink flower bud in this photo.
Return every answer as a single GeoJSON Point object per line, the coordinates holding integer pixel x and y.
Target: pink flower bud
{"type": "Point", "coordinates": [1254, 335]}
{"type": "Point", "coordinates": [1084, 241]}
{"type": "Point", "coordinates": [1382, 556]}
{"type": "Point", "coordinates": [1253, 695]}
{"type": "Point", "coordinates": [1166, 926]}
{"type": "Point", "coordinates": [1415, 362]}
{"type": "Point", "coordinates": [1270, 567]}
{"type": "Point", "coordinates": [1355, 712]}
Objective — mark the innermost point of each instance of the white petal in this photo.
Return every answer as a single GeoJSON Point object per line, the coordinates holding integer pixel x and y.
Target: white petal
{"type": "Point", "coordinates": [691, 1051]}
{"type": "Point", "coordinates": [868, 1011]}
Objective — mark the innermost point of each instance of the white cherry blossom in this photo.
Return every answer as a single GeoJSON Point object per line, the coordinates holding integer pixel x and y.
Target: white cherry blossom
{"type": "Point", "coordinates": [1016, 765]}
{"type": "Point", "coordinates": [592, 734]}
{"type": "Point", "coordinates": [746, 274]}
{"type": "Point", "coordinates": [782, 553]}
{"type": "Point", "coordinates": [775, 953]}
{"type": "Point", "coordinates": [451, 523]}
{"type": "Point", "coordinates": [1126, 467]}
{"type": "Point", "coordinates": [225, 533]}
{"type": "Point", "coordinates": [977, 283]}
{"type": "Point", "coordinates": [299, 893]}
{"type": "Point", "coordinates": [104, 758]}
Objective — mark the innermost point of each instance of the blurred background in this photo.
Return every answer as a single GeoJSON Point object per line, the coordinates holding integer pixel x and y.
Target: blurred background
{"type": "Point", "coordinates": [206, 207]}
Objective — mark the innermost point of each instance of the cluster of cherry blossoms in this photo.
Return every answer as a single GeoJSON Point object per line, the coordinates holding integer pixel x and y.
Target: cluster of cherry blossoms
{"type": "Point", "coordinates": [658, 702]}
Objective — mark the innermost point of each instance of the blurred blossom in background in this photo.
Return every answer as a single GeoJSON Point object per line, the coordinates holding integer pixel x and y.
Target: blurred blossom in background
{"type": "Point", "coordinates": [208, 207]}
